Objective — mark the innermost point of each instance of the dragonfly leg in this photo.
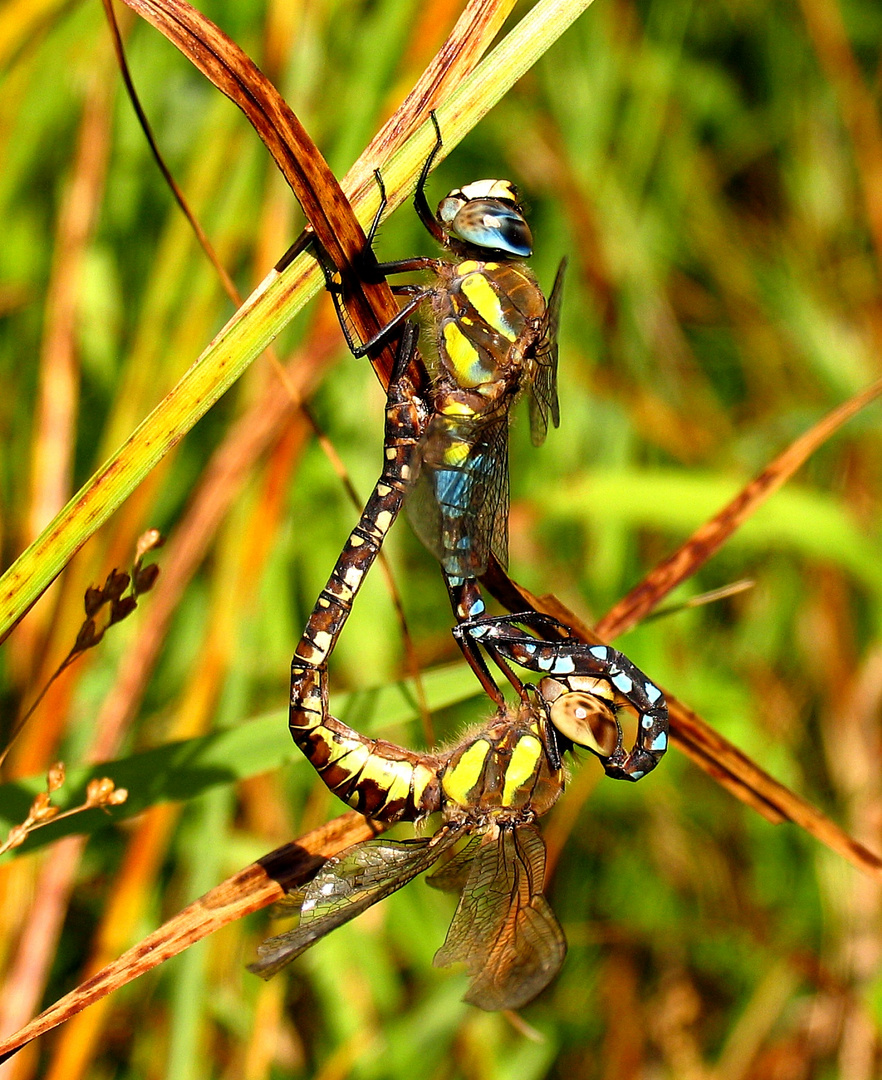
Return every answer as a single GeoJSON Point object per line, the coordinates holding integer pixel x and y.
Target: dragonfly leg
{"type": "Point", "coordinates": [468, 606]}
{"type": "Point", "coordinates": [370, 269]}
{"type": "Point", "coordinates": [337, 289]}
{"type": "Point", "coordinates": [379, 780]}
{"type": "Point", "coordinates": [420, 202]}
{"type": "Point", "coordinates": [567, 663]}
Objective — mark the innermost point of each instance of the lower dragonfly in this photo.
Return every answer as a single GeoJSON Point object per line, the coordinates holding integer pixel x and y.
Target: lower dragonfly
{"type": "Point", "coordinates": [490, 788]}
{"type": "Point", "coordinates": [492, 336]}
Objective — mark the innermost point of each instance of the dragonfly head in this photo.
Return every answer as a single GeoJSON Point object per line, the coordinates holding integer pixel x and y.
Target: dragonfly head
{"type": "Point", "coordinates": [583, 714]}
{"type": "Point", "coordinates": [486, 214]}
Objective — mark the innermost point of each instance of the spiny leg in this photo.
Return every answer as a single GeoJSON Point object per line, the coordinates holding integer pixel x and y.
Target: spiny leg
{"type": "Point", "coordinates": [372, 270]}
{"type": "Point", "coordinates": [566, 661]}
{"type": "Point", "coordinates": [388, 783]}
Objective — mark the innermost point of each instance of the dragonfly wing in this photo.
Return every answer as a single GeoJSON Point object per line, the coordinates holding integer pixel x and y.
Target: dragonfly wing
{"type": "Point", "coordinates": [422, 509]}
{"type": "Point", "coordinates": [459, 504]}
{"type": "Point", "coordinates": [543, 392]}
{"type": "Point", "coordinates": [453, 875]}
{"type": "Point", "coordinates": [347, 885]}
{"type": "Point", "coordinates": [491, 518]}
{"type": "Point", "coordinates": [504, 930]}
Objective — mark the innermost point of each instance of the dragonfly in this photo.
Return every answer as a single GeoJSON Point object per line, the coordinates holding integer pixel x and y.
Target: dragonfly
{"type": "Point", "coordinates": [490, 788]}
{"type": "Point", "coordinates": [492, 336]}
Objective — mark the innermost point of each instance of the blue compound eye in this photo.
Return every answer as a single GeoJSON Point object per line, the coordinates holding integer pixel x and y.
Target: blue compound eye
{"type": "Point", "coordinates": [495, 225]}
{"type": "Point", "coordinates": [587, 721]}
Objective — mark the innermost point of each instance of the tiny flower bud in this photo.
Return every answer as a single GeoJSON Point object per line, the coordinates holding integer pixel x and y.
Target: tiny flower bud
{"type": "Point", "coordinates": [145, 578]}
{"type": "Point", "coordinates": [119, 609]}
{"type": "Point", "coordinates": [97, 791]}
{"type": "Point", "coordinates": [93, 600]}
{"type": "Point", "coordinates": [17, 836]}
{"type": "Point", "coordinates": [147, 541]}
{"type": "Point", "coordinates": [116, 584]}
{"type": "Point", "coordinates": [55, 776]}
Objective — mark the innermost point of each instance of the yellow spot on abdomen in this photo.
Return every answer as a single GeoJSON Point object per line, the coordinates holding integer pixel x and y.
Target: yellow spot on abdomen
{"type": "Point", "coordinates": [339, 746]}
{"type": "Point", "coordinates": [356, 758]}
{"type": "Point", "coordinates": [422, 777]}
{"type": "Point", "coordinates": [396, 777]}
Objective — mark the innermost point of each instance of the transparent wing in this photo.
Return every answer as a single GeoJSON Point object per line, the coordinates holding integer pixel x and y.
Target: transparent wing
{"type": "Point", "coordinates": [504, 930]}
{"type": "Point", "coordinates": [543, 392]}
{"type": "Point", "coordinates": [453, 875]}
{"type": "Point", "coordinates": [346, 886]}
{"type": "Point", "coordinates": [492, 495]}
{"type": "Point", "coordinates": [459, 505]}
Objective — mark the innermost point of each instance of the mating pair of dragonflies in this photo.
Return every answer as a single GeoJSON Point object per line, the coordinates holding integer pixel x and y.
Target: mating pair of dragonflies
{"type": "Point", "coordinates": [490, 336]}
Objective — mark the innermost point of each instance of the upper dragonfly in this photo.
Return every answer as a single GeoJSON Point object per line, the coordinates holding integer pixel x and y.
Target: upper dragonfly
{"type": "Point", "coordinates": [492, 335]}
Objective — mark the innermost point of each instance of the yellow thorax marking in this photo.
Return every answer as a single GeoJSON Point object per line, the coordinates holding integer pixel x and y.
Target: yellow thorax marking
{"type": "Point", "coordinates": [461, 778]}
{"type": "Point", "coordinates": [463, 355]}
{"type": "Point", "coordinates": [485, 301]}
{"type": "Point", "coordinates": [456, 408]}
{"type": "Point", "coordinates": [522, 766]}
{"type": "Point", "coordinates": [456, 453]}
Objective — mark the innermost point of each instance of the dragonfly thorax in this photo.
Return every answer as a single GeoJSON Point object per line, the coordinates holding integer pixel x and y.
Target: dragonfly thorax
{"type": "Point", "coordinates": [503, 773]}
{"type": "Point", "coordinates": [486, 214]}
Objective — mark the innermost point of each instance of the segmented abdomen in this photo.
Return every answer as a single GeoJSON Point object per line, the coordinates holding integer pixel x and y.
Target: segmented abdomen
{"type": "Point", "coordinates": [376, 778]}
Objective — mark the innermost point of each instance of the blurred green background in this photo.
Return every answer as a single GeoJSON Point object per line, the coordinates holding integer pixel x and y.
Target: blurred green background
{"type": "Point", "coordinates": [714, 173]}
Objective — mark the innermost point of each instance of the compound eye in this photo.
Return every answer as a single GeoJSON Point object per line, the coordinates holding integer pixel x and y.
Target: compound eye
{"type": "Point", "coordinates": [587, 721]}
{"type": "Point", "coordinates": [492, 224]}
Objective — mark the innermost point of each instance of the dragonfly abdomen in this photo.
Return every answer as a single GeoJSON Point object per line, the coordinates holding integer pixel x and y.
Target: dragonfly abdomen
{"type": "Point", "coordinates": [405, 420]}
{"type": "Point", "coordinates": [378, 779]}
